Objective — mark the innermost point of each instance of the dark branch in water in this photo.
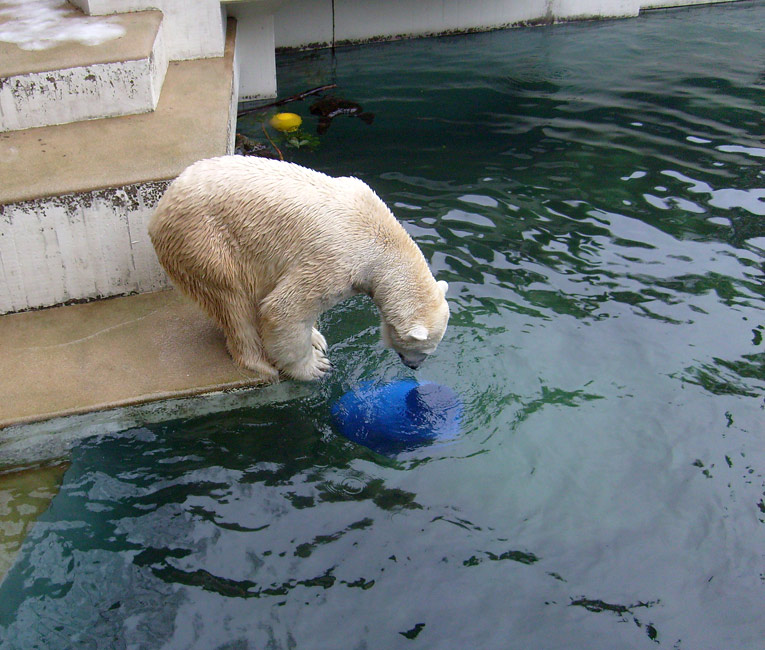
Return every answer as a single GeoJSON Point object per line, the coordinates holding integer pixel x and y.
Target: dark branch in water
{"type": "Point", "coordinates": [287, 100]}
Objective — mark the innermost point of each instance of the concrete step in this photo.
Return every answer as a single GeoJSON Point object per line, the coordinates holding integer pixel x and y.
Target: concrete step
{"type": "Point", "coordinates": [69, 81]}
{"type": "Point", "coordinates": [75, 199]}
{"type": "Point", "coordinates": [109, 353]}
{"type": "Point", "coordinates": [194, 29]}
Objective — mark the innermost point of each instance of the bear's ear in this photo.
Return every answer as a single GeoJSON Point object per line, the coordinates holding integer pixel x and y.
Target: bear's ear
{"type": "Point", "coordinates": [418, 333]}
{"type": "Point", "coordinates": [443, 285]}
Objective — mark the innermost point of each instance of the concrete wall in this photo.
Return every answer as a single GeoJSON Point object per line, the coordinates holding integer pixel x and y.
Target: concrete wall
{"type": "Point", "coordinates": [78, 246]}
{"type": "Point", "coordinates": [254, 48]}
{"type": "Point", "coordinates": [309, 23]}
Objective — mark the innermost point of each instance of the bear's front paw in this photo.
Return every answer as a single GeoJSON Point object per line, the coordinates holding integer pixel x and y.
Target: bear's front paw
{"type": "Point", "coordinates": [314, 368]}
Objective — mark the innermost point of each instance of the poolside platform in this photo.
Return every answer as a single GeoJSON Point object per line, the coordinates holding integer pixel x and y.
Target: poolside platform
{"type": "Point", "coordinates": [110, 353]}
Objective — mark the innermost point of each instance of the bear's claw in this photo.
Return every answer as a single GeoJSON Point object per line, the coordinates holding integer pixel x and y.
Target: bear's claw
{"type": "Point", "coordinates": [318, 341]}
{"type": "Point", "coordinates": [315, 368]}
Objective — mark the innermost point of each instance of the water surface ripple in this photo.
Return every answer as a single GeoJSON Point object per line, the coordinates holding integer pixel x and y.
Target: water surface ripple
{"type": "Point", "coordinates": [595, 196]}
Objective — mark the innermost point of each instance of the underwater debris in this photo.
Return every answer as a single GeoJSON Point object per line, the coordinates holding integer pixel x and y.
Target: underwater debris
{"type": "Point", "coordinates": [286, 100]}
{"type": "Point", "coordinates": [244, 146]}
{"type": "Point", "coordinates": [412, 634]}
{"type": "Point", "coordinates": [329, 108]}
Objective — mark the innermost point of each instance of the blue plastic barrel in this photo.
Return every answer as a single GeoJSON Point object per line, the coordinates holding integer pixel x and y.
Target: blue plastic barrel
{"type": "Point", "coordinates": [398, 416]}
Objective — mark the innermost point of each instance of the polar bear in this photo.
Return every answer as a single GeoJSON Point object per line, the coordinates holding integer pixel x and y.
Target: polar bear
{"type": "Point", "coordinates": [266, 246]}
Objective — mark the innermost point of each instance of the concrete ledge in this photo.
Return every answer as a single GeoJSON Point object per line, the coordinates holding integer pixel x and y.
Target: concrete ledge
{"type": "Point", "coordinates": [110, 353]}
{"type": "Point", "coordinates": [34, 456]}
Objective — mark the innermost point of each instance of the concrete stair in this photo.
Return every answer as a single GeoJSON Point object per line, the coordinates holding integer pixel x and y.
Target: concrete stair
{"type": "Point", "coordinates": [74, 82]}
{"type": "Point", "coordinates": [102, 105]}
{"type": "Point", "coordinates": [91, 135]}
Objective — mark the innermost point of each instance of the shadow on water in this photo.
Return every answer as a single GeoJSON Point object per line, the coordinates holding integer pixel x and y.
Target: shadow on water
{"type": "Point", "coordinates": [594, 194]}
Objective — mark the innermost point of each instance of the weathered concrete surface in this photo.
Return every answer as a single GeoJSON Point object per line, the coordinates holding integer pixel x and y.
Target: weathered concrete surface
{"type": "Point", "coordinates": [109, 353]}
{"type": "Point", "coordinates": [191, 122]}
{"type": "Point", "coordinates": [75, 198]}
{"type": "Point", "coordinates": [76, 246]}
{"type": "Point", "coordinates": [139, 31]}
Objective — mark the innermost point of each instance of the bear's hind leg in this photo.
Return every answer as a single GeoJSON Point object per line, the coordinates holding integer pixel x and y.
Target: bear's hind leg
{"type": "Point", "coordinates": [245, 347]}
{"type": "Point", "coordinates": [236, 316]}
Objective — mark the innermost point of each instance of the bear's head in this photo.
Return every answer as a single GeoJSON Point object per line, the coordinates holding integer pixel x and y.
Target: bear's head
{"type": "Point", "coordinates": [420, 334]}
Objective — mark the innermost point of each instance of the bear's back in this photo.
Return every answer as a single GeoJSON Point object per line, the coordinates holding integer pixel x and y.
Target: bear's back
{"type": "Point", "coordinates": [263, 213]}
{"type": "Point", "coordinates": [271, 197]}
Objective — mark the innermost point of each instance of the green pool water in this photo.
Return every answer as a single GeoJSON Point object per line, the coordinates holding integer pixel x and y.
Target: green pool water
{"type": "Point", "coordinates": [595, 196]}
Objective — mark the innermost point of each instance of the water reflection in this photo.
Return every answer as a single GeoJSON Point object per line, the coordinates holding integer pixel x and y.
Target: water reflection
{"type": "Point", "coordinates": [24, 494]}
{"type": "Point", "coordinates": [148, 530]}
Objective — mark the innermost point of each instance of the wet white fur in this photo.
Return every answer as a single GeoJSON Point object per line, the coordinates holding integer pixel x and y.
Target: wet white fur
{"type": "Point", "coordinates": [266, 246]}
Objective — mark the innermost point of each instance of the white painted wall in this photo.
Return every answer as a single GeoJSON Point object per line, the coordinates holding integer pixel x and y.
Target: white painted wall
{"type": "Point", "coordinates": [306, 23]}
{"type": "Point", "coordinates": [302, 22]}
{"type": "Point", "coordinates": [196, 29]}
{"type": "Point", "coordinates": [78, 246]}
{"type": "Point", "coordinates": [254, 49]}
{"type": "Point", "coordinates": [660, 4]}
{"type": "Point", "coordinates": [234, 102]}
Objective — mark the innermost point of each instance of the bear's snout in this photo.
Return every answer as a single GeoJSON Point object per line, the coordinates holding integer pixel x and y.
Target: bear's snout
{"type": "Point", "coordinates": [413, 360]}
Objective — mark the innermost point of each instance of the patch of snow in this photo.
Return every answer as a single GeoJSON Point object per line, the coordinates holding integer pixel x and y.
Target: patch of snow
{"type": "Point", "coordinates": [42, 24]}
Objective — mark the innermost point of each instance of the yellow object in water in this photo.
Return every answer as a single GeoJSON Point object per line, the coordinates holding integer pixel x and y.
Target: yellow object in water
{"type": "Point", "coordinates": [286, 122]}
